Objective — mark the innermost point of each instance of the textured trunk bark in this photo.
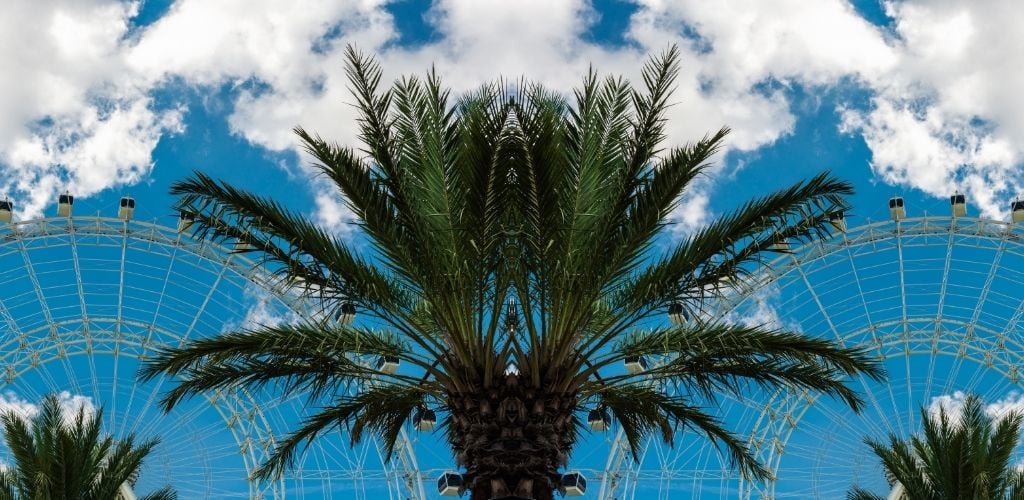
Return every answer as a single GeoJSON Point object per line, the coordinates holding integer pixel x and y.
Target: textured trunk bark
{"type": "Point", "coordinates": [512, 439]}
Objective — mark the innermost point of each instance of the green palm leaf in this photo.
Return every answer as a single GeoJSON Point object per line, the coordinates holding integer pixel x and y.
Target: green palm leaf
{"type": "Point", "coordinates": [967, 455]}
{"type": "Point", "coordinates": [510, 268]}
{"type": "Point", "coordinates": [57, 456]}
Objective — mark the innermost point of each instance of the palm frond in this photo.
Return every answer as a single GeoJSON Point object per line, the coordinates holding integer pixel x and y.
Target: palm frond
{"type": "Point", "coordinates": [303, 254]}
{"type": "Point", "coordinates": [65, 456]}
{"type": "Point", "coordinates": [861, 494]}
{"type": "Point", "coordinates": [165, 493]}
{"type": "Point", "coordinates": [642, 410]}
{"type": "Point", "coordinates": [314, 359]}
{"type": "Point", "coordinates": [717, 357]}
{"type": "Point", "coordinates": [380, 409]}
{"type": "Point", "coordinates": [734, 244]}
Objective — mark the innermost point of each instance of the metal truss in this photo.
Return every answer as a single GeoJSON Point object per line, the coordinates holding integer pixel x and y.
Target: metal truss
{"type": "Point", "coordinates": [54, 311]}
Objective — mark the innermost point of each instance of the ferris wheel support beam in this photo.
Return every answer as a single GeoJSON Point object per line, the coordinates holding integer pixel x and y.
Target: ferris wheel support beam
{"type": "Point", "coordinates": [971, 332]}
{"type": "Point", "coordinates": [617, 461]}
{"type": "Point", "coordinates": [31, 271]}
{"type": "Point", "coordinates": [983, 296]}
{"type": "Point", "coordinates": [781, 423]}
{"type": "Point", "coordinates": [120, 316]}
{"type": "Point", "coordinates": [48, 339]}
{"type": "Point", "coordinates": [404, 451]}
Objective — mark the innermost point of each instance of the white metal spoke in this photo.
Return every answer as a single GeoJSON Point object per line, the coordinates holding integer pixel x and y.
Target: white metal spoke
{"type": "Point", "coordinates": [91, 296]}
{"type": "Point", "coordinates": [936, 298]}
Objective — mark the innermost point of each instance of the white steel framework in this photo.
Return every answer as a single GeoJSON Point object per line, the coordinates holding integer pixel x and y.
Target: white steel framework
{"type": "Point", "coordinates": [939, 300]}
{"type": "Point", "coordinates": [83, 299]}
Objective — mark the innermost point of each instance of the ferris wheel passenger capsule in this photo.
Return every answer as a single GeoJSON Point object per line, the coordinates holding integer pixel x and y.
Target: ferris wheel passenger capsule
{"type": "Point", "coordinates": [958, 204]}
{"type": "Point", "coordinates": [677, 313]}
{"type": "Point", "coordinates": [449, 484]}
{"type": "Point", "coordinates": [636, 364]}
{"type": "Point", "coordinates": [185, 221]}
{"type": "Point", "coordinates": [127, 209]}
{"type": "Point", "coordinates": [838, 221]}
{"type": "Point", "coordinates": [347, 313]}
{"type": "Point", "coordinates": [575, 484]}
{"type": "Point", "coordinates": [64, 204]}
{"type": "Point", "coordinates": [896, 209]}
{"type": "Point", "coordinates": [6, 210]}
{"type": "Point", "coordinates": [388, 364]}
{"type": "Point", "coordinates": [780, 245]}
{"type": "Point", "coordinates": [243, 245]}
{"type": "Point", "coordinates": [424, 420]}
{"type": "Point", "coordinates": [1017, 209]}
{"type": "Point", "coordinates": [599, 420]}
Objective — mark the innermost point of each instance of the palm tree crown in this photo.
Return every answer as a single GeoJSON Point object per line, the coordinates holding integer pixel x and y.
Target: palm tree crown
{"type": "Point", "coordinates": [511, 274]}
{"type": "Point", "coordinates": [61, 456]}
{"type": "Point", "coordinates": [965, 456]}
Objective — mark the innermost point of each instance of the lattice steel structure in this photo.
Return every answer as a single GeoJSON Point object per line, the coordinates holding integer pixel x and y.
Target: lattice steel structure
{"type": "Point", "coordinates": [83, 299]}
{"type": "Point", "coordinates": [939, 299]}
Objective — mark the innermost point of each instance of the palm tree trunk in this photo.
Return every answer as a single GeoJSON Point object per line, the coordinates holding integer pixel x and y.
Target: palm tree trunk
{"type": "Point", "coordinates": [512, 439]}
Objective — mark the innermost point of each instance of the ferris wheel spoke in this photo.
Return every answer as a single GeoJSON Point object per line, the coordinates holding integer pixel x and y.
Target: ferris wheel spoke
{"type": "Point", "coordinates": [938, 300]}
{"type": "Point", "coordinates": [89, 297]}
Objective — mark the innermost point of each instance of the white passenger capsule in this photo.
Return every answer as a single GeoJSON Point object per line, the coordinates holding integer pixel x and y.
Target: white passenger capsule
{"type": "Point", "coordinates": [896, 208]}
{"type": "Point", "coordinates": [958, 204]}
{"type": "Point", "coordinates": [127, 208]}
{"type": "Point", "coordinates": [64, 204]}
{"type": "Point", "coordinates": [6, 210]}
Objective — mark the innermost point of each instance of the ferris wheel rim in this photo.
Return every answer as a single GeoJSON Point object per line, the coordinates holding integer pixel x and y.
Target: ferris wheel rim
{"type": "Point", "coordinates": [1005, 234]}
{"type": "Point", "coordinates": [620, 468]}
{"type": "Point", "coordinates": [21, 237]}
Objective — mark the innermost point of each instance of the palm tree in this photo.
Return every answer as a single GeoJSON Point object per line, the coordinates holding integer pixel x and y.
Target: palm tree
{"type": "Point", "coordinates": [61, 456]}
{"type": "Point", "coordinates": [511, 273]}
{"type": "Point", "coordinates": [962, 457]}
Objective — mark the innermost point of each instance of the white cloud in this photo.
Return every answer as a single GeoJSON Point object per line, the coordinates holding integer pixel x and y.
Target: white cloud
{"type": "Point", "coordinates": [474, 46]}
{"type": "Point", "coordinates": [949, 115]}
{"type": "Point", "coordinates": [10, 402]}
{"type": "Point", "coordinates": [954, 403]}
{"type": "Point", "coordinates": [264, 310]}
{"type": "Point", "coordinates": [762, 310]}
{"type": "Point", "coordinates": [943, 85]}
{"type": "Point", "coordinates": [75, 115]}
{"type": "Point", "coordinates": [692, 213]}
{"type": "Point", "coordinates": [71, 404]}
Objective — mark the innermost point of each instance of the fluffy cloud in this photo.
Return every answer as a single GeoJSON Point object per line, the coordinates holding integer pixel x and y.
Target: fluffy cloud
{"type": "Point", "coordinates": [762, 310]}
{"type": "Point", "coordinates": [944, 112]}
{"type": "Point", "coordinates": [262, 310]}
{"type": "Point", "coordinates": [76, 116]}
{"type": "Point", "coordinates": [70, 403]}
{"type": "Point", "coordinates": [718, 83]}
{"type": "Point", "coordinates": [948, 115]}
{"type": "Point", "coordinates": [953, 403]}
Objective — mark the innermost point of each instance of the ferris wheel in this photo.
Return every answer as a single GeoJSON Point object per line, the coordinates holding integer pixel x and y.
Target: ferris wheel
{"type": "Point", "coordinates": [84, 299]}
{"type": "Point", "coordinates": [939, 300]}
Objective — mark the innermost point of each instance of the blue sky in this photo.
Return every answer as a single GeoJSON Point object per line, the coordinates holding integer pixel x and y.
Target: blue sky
{"type": "Point", "coordinates": [106, 97]}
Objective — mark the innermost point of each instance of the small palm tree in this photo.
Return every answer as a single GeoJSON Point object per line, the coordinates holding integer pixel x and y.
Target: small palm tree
{"type": "Point", "coordinates": [962, 457]}
{"type": "Point", "coordinates": [57, 456]}
{"type": "Point", "coordinates": [511, 273]}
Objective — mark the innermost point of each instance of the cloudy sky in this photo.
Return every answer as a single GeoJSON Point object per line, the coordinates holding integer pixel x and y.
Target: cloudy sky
{"type": "Point", "coordinates": [106, 97]}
